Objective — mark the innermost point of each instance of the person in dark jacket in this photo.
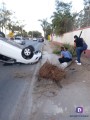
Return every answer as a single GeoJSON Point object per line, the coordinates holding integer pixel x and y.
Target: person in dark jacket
{"type": "Point", "coordinates": [78, 44]}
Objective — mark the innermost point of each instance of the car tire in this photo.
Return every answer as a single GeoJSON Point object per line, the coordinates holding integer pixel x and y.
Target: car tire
{"type": "Point", "coordinates": [27, 53]}
{"type": "Point", "coordinates": [32, 48]}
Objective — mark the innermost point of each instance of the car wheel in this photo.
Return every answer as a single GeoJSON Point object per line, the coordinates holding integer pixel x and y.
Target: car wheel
{"type": "Point", "coordinates": [27, 53]}
{"type": "Point", "coordinates": [32, 48]}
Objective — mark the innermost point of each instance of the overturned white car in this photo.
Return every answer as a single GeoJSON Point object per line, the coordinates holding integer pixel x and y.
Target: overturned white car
{"type": "Point", "coordinates": [12, 52]}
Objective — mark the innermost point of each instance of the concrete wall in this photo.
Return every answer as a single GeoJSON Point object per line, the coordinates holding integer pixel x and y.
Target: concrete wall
{"type": "Point", "coordinates": [69, 37]}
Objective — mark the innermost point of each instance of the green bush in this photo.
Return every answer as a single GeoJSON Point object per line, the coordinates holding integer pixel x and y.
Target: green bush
{"type": "Point", "coordinates": [56, 51]}
{"type": "Point", "coordinates": [69, 47]}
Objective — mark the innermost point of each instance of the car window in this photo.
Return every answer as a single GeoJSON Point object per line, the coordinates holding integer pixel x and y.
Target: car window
{"type": "Point", "coordinates": [17, 38]}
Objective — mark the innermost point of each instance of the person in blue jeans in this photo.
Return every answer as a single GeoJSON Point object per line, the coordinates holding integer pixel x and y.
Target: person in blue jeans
{"type": "Point", "coordinates": [66, 56]}
{"type": "Point", "coordinates": [78, 44]}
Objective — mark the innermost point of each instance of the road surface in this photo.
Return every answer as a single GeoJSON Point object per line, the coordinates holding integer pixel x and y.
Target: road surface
{"type": "Point", "coordinates": [16, 84]}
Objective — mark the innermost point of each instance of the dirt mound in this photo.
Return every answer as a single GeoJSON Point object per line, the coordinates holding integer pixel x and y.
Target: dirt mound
{"type": "Point", "coordinates": [49, 71]}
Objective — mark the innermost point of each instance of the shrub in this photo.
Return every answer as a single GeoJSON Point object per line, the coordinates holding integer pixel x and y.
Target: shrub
{"type": "Point", "coordinates": [68, 46]}
{"type": "Point", "coordinates": [56, 51]}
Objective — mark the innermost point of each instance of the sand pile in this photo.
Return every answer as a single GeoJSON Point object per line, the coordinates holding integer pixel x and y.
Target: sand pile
{"type": "Point", "coordinates": [49, 71]}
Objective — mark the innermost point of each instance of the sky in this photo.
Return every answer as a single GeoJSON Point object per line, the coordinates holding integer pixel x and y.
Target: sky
{"type": "Point", "coordinates": [32, 10]}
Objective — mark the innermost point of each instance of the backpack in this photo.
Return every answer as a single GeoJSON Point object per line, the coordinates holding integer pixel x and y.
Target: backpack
{"type": "Point", "coordinates": [85, 46]}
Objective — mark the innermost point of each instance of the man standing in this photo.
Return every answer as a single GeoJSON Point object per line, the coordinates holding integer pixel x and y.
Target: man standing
{"type": "Point", "coordinates": [78, 44]}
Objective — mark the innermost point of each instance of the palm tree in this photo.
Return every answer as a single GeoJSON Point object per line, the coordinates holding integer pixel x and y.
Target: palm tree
{"type": "Point", "coordinates": [62, 18]}
{"type": "Point", "coordinates": [44, 25]}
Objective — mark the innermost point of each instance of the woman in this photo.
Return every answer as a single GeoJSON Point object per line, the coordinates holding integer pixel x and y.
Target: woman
{"type": "Point", "coordinates": [66, 56]}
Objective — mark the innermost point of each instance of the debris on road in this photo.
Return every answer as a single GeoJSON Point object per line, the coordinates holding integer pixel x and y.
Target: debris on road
{"type": "Point", "coordinates": [49, 71]}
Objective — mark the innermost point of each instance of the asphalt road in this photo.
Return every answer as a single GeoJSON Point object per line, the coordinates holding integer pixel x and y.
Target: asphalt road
{"type": "Point", "coordinates": [16, 84]}
{"type": "Point", "coordinates": [36, 44]}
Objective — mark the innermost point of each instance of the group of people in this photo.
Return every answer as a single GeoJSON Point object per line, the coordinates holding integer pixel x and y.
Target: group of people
{"type": "Point", "coordinates": [79, 46]}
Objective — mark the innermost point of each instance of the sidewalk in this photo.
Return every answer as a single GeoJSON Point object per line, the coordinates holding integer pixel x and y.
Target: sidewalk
{"type": "Point", "coordinates": [48, 54]}
{"type": "Point", "coordinates": [53, 103]}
